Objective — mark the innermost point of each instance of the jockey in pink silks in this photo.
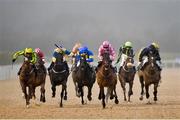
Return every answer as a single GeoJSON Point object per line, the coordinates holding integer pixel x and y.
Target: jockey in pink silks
{"type": "Point", "coordinates": [106, 46]}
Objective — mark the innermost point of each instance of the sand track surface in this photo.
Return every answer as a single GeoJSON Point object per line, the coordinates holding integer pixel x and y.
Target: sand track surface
{"type": "Point", "coordinates": [12, 105]}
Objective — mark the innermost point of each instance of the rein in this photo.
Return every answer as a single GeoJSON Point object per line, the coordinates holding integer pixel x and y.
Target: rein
{"type": "Point", "coordinates": [58, 72]}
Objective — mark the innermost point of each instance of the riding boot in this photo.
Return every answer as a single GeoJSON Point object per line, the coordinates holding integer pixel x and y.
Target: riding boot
{"type": "Point", "coordinates": [66, 66]}
{"type": "Point", "coordinates": [50, 67]}
{"type": "Point", "coordinates": [99, 64]}
{"type": "Point", "coordinates": [35, 70]}
{"type": "Point", "coordinates": [19, 71]}
{"type": "Point", "coordinates": [114, 69]}
{"type": "Point", "coordinates": [44, 69]}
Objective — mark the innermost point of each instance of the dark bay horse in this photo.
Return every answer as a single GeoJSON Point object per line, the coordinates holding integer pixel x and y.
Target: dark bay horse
{"type": "Point", "coordinates": [126, 75]}
{"type": "Point", "coordinates": [106, 78]}
{"type": "Point", "coordinates": [83, 76]}
{"type": "Point", "coordinates": [149, 75]}
{"type": "Point", "coordinates": [29, 79]}
{"type": "Point", "coordinates": [59, 76]}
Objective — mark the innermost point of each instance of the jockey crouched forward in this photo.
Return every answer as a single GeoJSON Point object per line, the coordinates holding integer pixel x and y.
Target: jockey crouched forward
{"type": "Point", "coordinates": [40, 58]}
{"type": "Point", "coordinates": [74, 54]}
{"type": "Point", "coordinates": [89, 57]}
{"type": "Point", "coordinates": [106, 47]}
{"type": "Point", "coordinates": [153, 48]}
{"type": "Point", "coordinates": [125, 51]}
{"type": "Point", "coordinates": [57, 52]}
{"type": "Point", "coordinates": [29, 54]}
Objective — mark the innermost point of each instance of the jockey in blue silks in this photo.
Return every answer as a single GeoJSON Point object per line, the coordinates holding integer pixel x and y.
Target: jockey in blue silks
{"type": "Point", "coordinates": [88, 55]}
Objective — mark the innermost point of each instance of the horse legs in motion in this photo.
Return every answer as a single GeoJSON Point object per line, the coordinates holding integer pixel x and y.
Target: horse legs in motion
{"type": "Point", "coordinates": [26, 93]}
{"type": "Point", "coordinates": [62, 94]}
{"type": "Point", "coordinates": [42, 96]}
{"type": "Point", "coordinates": [142, 87]}
{"type": "Point", "coordinates": [102, 96]}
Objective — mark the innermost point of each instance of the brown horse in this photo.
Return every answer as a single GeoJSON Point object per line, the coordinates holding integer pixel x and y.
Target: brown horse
{"type": "Point", "coordinates": [29, 79]}
{"type": "Point", "coordinates": [83, 76]}
{"type": "Point", "coordinates": [149, 75]}
{"type": "Point", "coordinates": [106, 78]}
{"type": "Point", "coordinates": [126, 75]}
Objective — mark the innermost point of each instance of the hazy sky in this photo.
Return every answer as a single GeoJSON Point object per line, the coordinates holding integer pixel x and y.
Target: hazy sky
{"type": "Point", "coordinates": [41, 23]}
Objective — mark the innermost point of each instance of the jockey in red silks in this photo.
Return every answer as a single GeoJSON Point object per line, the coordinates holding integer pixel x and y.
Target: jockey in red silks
{"type": "Point", "coordinates": [40, 54]}
{"type": "Point", "coordinates": [106, 47]}
{"type": "Point", "coordinates": [40, 58]}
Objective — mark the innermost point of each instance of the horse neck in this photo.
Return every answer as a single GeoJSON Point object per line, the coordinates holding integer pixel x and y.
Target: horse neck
{"type": "Point", "coordinates": [26, 69]}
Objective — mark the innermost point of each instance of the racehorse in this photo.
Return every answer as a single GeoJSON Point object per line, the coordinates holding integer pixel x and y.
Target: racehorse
{"type": "Point", "coordinates": [29, 79]}
{"type": "Point", "coordinates": [82, 76]}
{"type": "Point", "coordinates": [126, 75]}
{"type": "Point", "coordinates": [59, 76]}
{"type": "Point", "coordinates": [149, 75]}
{"type": "Point", "coordinates": [106, 78]}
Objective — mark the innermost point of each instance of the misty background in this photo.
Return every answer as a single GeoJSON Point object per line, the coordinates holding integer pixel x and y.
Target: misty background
{"type": "Point", "coordinates": [41, 23]}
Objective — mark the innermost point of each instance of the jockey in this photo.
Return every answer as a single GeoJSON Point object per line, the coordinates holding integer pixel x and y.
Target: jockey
{"type": "Point", "coordinates": [40, 56]}
{"type": "Point", "coordinates": [106, 46]}
{"type": "Point", "coordinates": [88, 53]}
{"type": "Point", "coordinates": [27, 53]}
{"type": "Point", "coordinates": [57, 52]}
{"type": "Point", "coordinates": [74, 53]}
{"type": "Point", "coordinates": [125, 51]}
{"type": "Point", "coordinates": [152, 48]}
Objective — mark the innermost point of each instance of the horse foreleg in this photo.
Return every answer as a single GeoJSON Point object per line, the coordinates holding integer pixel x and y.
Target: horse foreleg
{"type": "Point", "coordinates": [42, 90]}
{"type": "Point", "coordinates": [155, 91]}
{"type": "Point", "coordinates": [89, 93]}
{"type": "Point", "coordinates": [130, 91]}
{"type": "Point", "coordinates": [82, 94]}
{"type": "Point", "coordinates": [25, 94]}
{"type": "Point", "coordinates": [147, 91]}
{"type": "Point", "coordinates": [65, 95]}
{"type": "Point", "coordinates": [103, 97]}
{"type": "Point", "coordinates": [62, 95]}
{"type": "Point", "coordinates": [99, 97]}
{"type": "Point", "coordinates": [142, 87]}
{"type": "Point", "coordinates": [53, 88]}
{"type": "Point", "coordinates": [77, 90]}
{"type": "Point", "coordinates": [116, 98]}
{"type": "Point", "coordinates": [124, 89]}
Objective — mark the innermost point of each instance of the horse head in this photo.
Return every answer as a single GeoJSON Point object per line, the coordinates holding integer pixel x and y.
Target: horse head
{"type": "Point", "coordinates": [151, 64]}
{"type": "Point", "coordinates": [27, 68]}
{"type": "Point", "coordinates": [59, 64]}
{"type": "Point", "coordinates": [83, 62]}
{"type": "Point", "coordinates": [106, 61]}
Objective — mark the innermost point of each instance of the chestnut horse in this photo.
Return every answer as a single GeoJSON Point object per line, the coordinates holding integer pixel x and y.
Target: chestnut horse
{"type": "Point", "coordinates": [149, 75]}
{"type": "Point", "coordinates": [59, 76]}
{"type": "Point", "coordinates": [106, 77]}
{"type": "Point", "coordinates": [126, 75]}
{"type": "Point", "coordinates": [82, 76]}
{"type": "Point", "coordinates": [29, 79]}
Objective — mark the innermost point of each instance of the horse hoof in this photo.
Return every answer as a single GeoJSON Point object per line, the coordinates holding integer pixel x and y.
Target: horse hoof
{"type": "Point", "coordinates": [104, 105]}
{"type": "Point", "coordinates": [61, 105]}
{"type": "Point", "coordinates": [141, 98]}
{"type": "Point", "coordinates": [65, 97]}
{"type": "Point", "coordinates": [89, 98]}
{"type": "Point", "coordinates": [155, 99]}
{"type": "Point", "coordinates": [111, 97]}
{"type": "Point", "coordinates": [53, 96]}
{"type": "Point", "coordinates": [116, 101]}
